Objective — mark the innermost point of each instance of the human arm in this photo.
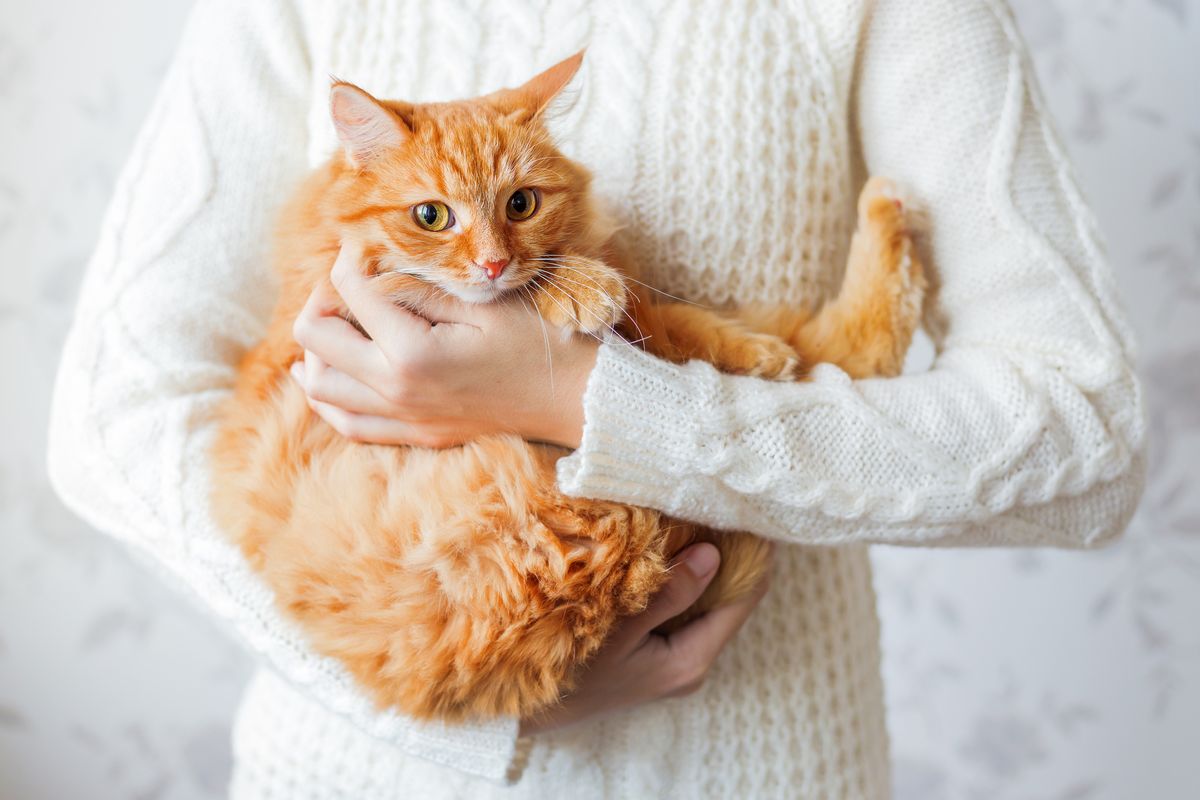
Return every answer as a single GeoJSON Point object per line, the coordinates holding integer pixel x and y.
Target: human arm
{"type": "Point", "coordinates": [409, 381]}
{"type": "Point", "coordinates": [178, 288]}
{"type": "Point", "coordinates": [638, 664]}
{"type": "Point", "coordinates": [473, 370]}
{"type": "Point", "coordinates": [1027, 430]}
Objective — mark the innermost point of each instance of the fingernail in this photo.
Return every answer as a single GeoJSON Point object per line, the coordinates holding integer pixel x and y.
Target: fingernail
{"type": "Point", "coordinates": [703, 561]}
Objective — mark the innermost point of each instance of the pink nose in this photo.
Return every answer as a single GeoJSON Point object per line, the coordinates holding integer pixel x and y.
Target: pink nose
{"type": "Point", "coordinates": [494, 268]}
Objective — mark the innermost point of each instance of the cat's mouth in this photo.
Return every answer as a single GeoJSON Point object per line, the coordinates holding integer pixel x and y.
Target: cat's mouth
{"type": "Point", "coordinates": [487, 290]}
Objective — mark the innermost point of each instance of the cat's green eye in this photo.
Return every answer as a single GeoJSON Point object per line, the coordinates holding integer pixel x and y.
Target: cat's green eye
{"type": "Point", "coordinates": [522, 204]}
{"type": "Point", "coordinates": [433, 216]}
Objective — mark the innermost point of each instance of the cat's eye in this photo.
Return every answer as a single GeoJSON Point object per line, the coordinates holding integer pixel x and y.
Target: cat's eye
{"type": "Point", "coordinates": [433, 216]}
{"type": "Point", "coordinates": [522, 204]}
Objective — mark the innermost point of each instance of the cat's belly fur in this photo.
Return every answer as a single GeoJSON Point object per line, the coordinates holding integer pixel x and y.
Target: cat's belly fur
{"type": "Point", "coordinates": [451, 583]}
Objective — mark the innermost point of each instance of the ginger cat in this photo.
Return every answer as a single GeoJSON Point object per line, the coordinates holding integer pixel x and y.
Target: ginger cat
{"type": "Point", "coordinates": [460, 583]}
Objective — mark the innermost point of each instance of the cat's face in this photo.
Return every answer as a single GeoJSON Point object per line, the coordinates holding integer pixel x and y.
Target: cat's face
{"type": "Point", "coordinates": [470, 196]}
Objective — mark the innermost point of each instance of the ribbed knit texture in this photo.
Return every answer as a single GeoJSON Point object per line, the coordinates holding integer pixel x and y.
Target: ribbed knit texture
{"type": "Point", "coordinates": [729, 139]}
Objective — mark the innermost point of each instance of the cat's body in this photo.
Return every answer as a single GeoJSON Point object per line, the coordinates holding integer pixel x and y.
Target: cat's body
{"type": "Point", "coordinates": [459, 582]}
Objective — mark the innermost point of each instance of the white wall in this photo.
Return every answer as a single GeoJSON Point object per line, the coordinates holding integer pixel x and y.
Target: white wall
{"type": "Point", "coordinates": [1010, 674]}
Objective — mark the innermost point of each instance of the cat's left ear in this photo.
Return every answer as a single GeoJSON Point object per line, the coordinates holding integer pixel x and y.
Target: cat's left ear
{"type": "Point", "coordinates": [531, 99]}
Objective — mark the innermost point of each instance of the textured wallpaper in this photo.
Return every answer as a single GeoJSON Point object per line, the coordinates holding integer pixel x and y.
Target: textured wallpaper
{"type": "Point", "coordinates": [1011, 674]}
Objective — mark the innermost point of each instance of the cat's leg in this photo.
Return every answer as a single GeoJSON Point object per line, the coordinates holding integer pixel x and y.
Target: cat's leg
{"type": "Point", "coordinates": [726, 342]}
{"type": "Point", "coordinates": [580, 293]}
{"type": "Point", "coordinates": [866, 331]}
{"type": "Point", "coordinates": [867, 328]}
{"type": "Point", "coordinates": [587, 294]}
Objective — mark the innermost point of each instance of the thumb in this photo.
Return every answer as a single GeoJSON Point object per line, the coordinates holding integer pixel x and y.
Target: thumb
{"type": "Point", "coordinates": [693, 569]}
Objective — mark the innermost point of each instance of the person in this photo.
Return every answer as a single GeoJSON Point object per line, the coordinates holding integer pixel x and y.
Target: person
{"type": "Point", "coordinates": [730, 139]}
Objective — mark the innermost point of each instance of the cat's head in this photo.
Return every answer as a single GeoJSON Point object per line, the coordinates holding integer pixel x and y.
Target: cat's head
{"type": "Point", "coordinates": [465, 195]}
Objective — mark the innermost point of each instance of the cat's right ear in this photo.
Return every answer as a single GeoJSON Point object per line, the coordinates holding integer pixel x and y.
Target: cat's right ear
{"type": "Point", "coordinates": [365, 127]}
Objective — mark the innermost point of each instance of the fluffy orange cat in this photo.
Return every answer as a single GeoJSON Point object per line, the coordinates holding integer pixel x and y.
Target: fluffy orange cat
{"type": "Point", "coordinates": [460, 582]}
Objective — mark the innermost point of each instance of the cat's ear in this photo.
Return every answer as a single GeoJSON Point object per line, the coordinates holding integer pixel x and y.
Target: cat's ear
{"type": "Point", "coordinates": [366, 127]}
{"type": "Point", "coordinates": [531, 99]}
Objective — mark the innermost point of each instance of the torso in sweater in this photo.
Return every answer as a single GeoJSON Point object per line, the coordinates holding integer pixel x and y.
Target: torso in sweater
{"type": "Point", "coordinates": [717, 133]}
{"type": "Point", "coordinates": [730, 139]}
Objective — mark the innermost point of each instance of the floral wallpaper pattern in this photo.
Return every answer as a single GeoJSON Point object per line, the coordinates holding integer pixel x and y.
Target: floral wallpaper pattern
{"type": "Point", "coordinates": [1036, 675]}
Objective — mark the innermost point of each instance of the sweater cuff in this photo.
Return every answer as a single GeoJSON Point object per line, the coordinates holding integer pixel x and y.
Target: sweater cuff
{"type": "Point", "coordinates": [644, 428]}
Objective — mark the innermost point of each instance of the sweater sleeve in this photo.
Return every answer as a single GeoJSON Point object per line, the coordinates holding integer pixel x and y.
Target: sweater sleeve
{"type": "Point", "coordinates": [177, 289]}
{"type": "Point", "coordinates": [1028, 428]}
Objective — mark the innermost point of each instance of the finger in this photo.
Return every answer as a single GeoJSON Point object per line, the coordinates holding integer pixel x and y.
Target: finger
{"type": "Point", "coordinates": [446, 309]}
{"type": "Point", "coordinates": [320, 328]}
{"type": "Point", "coordinates": [325, 301]}
{"type": "Point", "coordinates": [365, 428]}
{"type": "Point", "coordinates": [692, 571]}
{"type": "Point", "coordinates": [332, 386]}
{"type": "Point", "coordinates": [383, 320]}
{"type": "Point", "coordinates": [696, 645]}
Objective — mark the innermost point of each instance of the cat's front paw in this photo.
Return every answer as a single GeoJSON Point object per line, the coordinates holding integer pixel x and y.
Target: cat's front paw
{"type": "Point", "coordinates": [591, 301]}
{"type": "Point", "coordinates": [601, 304]}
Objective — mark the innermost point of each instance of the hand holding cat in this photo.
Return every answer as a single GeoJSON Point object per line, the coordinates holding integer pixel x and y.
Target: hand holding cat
{"type": "Point", "coordinates": [469, 371]}
{"type": "Point", "coordinates": [482, 369]}
{"type": "Point", "coordinates": [637, 665]}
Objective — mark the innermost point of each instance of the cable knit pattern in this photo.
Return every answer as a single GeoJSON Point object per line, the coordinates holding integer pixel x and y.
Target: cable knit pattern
{"type": "Point", "coordinates": [729, 139]}
{"type": "Point", "coordinates": [1031, 400]}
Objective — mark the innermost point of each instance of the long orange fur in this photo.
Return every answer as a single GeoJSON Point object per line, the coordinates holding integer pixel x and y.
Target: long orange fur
{"type": "Point", "coordinates": [460, 583]}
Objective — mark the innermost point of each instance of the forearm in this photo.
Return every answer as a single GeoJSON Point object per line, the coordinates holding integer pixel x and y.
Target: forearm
{"type": "Point", "coordinates": [159, 509]}
{"type": "Point", "coordinates": [175, 293]}
{"type": "Point", "coordinates": [929, 459]}
{"type": "Point", "coordinates": [1029, 427]}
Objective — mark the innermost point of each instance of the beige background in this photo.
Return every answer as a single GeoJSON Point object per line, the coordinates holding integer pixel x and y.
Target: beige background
{"type": "Point", "coordinates": [1010, 674]}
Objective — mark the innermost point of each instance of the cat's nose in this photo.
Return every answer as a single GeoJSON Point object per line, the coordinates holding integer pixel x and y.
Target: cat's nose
{"type": "Point", "coordinates": [494, 268]}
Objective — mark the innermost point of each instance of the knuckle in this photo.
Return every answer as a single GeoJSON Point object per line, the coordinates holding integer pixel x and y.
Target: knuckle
{"type": "Point", "coordinates": [400, 388]}
{"type": "Point", "coordinates": [692, 684]}
{"type": "Point", "coordinates": [689, 676]}
{"type": "Point", "coordinates": [683, 590]}
{"type": "Point", "coordinates": [301, 329]}
{"type": "Point", "coordinates": [316, 389]}
{"type": "Point", "coordinates": [396, 391]}
{"type": "Point", "coordinates": [339, 273]}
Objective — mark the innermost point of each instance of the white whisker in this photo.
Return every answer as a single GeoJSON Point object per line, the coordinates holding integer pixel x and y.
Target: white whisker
{"type": "Point", "coordinates": [565, 263]}
{"type": "Point", "coordinates": [594, 285]}
{"type": "Point", "coordinates": [526, 291]}
{"type": "Point", "coordinates": [572, 317]}
{"type": "Point", "coordinates": [550, 279]}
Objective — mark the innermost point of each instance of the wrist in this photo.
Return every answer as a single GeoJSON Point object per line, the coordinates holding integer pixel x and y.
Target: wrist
{"type": "Point", "coordinates": [565, 415]}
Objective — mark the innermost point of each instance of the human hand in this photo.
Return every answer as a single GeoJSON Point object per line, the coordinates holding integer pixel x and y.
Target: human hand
{"type": "Point", "coordinates": [470, 370]}
{"type": "Point", "coordinates": [637, 665]}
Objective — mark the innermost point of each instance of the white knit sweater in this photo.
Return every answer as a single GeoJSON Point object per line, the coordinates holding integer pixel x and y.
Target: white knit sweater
{"type": "Point", "coordinates": [731, 138]}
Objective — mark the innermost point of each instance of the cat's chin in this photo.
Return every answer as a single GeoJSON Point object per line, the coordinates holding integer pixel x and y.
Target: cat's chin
{"type": "Point", "coordinates": [478, 294]}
